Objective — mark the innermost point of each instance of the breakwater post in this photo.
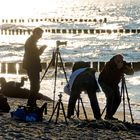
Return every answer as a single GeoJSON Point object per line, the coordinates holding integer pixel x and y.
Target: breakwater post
{"type": "Point", "coordinates": [16, 68]}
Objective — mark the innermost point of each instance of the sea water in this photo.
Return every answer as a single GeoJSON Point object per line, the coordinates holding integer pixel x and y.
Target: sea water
{"type": "Point", "coordinates": [120, 14]}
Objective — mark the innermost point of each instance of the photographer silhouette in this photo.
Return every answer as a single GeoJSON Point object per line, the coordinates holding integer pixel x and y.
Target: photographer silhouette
{"type": "Point", "coordinates": [109, 80]}
{"type": "Point", "coordinates": [82, 79]}
{"type": "Point", "coordinates": [32, 64]}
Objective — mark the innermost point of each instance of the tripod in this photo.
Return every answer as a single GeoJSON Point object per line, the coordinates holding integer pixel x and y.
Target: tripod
{"type": "Point", "coordinates": [59, 103]}
{"type": "Point", "coordinates": [78, 108]}
{"type": "Point", "coordinates": [56, 56]}
{"type": "Point", "coordinates": [123, 91]}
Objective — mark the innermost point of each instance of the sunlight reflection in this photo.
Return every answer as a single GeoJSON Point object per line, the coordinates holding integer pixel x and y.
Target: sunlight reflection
{"type": "Point", "coordinates": [121, 47]}
{"type": "Point", "coordinates": [135, 80]}
{"type": "Point", "coordinates": [24, 8]}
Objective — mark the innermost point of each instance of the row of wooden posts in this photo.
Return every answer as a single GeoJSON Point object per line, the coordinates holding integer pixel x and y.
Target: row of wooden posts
{"type": "Point", "coordinates": [16, 68]}
{"type": "Point", "coordinates": [70, 31]}
{"type": "Point", "coordinates": [31, 20]}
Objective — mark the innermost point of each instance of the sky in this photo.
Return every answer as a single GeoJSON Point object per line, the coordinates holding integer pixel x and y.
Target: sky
{"type": "Point", "coordinates": [19, 8]}
{"type": "Point", "coordinates": [10, 8]}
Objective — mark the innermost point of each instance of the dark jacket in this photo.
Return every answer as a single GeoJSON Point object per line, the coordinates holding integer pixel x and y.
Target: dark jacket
{"type": "Point", "coordinates": [111, 75]}
{"type": "Point", "coordinates": [86, 80]}
{"type": "Point", "coordinates": [31, 59]}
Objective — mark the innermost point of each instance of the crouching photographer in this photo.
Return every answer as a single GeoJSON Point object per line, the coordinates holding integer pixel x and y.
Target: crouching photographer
{"type": "Point", "coordinates": [109, 80]}
{"type": "Point", "coordinates": [82, 79]}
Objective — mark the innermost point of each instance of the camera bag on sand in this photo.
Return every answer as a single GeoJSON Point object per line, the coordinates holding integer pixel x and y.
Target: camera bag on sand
{"type": "Point", "coordinates": [4, 106]}
{"type": "Point", "coordinates": [29, 114]}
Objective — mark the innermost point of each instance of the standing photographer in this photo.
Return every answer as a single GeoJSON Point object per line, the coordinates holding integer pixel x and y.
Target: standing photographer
{"type": "Point", "coordinates": [32, 64]}
{"type": "Point", "coordinates": [109, 79]}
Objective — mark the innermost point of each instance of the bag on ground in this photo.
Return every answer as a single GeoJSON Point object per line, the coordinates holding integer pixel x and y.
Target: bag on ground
{"type": "Point", "coordinates": [29, 114]}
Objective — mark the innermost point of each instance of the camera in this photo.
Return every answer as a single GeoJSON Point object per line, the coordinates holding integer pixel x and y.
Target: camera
{"type": "Point", "coordinates": [126, 64]}
{"type": "Point", "coordinates": [58, 43]}
{"type": "Point", "coordinates": [60, 95]}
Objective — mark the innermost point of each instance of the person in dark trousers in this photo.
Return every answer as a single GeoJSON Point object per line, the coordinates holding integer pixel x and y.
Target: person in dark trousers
{"type": "Point", "coordinates": [109, 80]}
{"type": "Point", "coordinates": [32, 64]}
{"type": "Point", "coordinates": [82, 79]}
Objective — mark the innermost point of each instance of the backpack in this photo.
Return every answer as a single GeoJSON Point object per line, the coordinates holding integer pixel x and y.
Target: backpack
{"type": "Point", "coordinates": [29, 114]}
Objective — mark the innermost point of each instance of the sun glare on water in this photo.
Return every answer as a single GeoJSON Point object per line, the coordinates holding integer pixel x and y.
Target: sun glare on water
{"type": "Point", "coordinates": [24, 8]}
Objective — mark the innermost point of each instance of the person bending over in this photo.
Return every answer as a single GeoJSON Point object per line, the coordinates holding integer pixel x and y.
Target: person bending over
{"type": "Point", "coordinates": [109, 80]}
{"type": "Point", "coordinates": [82, 79]}
{"type": "Point", "coordinates": [32, 64]}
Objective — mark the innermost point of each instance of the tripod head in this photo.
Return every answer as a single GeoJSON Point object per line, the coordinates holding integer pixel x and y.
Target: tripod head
{"type": "Point", "coordinates": [58, 43]}
{"type": "Point", "coordinates": [60, 95]}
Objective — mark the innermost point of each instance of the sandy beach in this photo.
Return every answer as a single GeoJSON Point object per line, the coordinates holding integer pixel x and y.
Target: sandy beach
{"type": "Point", "coordinates": [76, 129]}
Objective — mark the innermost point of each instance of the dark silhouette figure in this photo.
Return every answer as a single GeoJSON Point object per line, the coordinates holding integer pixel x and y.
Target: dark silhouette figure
{"type": "Point", "coordinates": [16, 90]}
{"type": "Point", "coordinates": [32, 64]}
{"type": "Point", "coordinates": [4, 106]}
{"type": "Point", "coordinates": [109, 80]}
{"type": "Point", "coordinates": [82, 79]}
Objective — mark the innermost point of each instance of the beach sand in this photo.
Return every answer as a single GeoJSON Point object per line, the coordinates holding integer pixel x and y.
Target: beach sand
{"type": "Point", "coordinates": [76, 129]}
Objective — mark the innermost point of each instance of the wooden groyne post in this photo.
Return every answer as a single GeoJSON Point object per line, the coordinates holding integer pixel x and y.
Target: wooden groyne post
{"type": "Point", "coordinates": [16, 68]}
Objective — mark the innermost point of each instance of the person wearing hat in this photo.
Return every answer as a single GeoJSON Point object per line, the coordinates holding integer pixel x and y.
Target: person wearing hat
{"type": "Point", "coordinates": [32, 64]}
{"type": "Point", "coordinates": [109, 80]}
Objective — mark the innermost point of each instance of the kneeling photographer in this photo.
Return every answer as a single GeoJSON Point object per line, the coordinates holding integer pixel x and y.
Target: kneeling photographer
{"type": "Point", "coordinates": [109, 80]}
{"type": "Point", "coordinates": [82, 79]}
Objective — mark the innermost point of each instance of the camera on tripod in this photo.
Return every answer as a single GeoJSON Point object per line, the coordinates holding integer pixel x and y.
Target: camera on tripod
{"type": "Point", "coordinates": [60, 95]}
{"type": "Point", "coordinates": [58, 43]}
{"type": "Point", "coordinates": [126, 64]}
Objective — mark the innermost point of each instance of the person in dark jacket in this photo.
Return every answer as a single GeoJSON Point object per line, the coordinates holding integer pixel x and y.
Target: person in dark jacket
{"type": "Point", "coordinates": [32, 64]}
{"type": "Point", "coordinates": [82, 79]}
{"type": "Point", "coordinates": [109, 80]}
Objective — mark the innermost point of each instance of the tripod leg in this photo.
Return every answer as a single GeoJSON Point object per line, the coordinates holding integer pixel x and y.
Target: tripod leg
{"type": "Point", "coordinates": [53, 112]}
{"type": "Point", "coordinates": [123, 96]}
{"type": "Point", "coordinates": [84, 109]}
{"type": "Point", "coordinates": [63, 67]}
{"type": "Point", "coordinates": [58, 109]}
{"type": "Point", "coordinates": [78, 108]}
{"type": "Point", "coordinates": [103, 111]}
{"type": "Point", "coordinates": [54, 91]}
{"type": "Point", "coordinates": [128, 99]}
{"type": "Point", "coordinates": [50, 64]}
{"type": "Point", "coordinates": [124, 106]}
{"type": "Point", "coordinates": [64, 113]}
